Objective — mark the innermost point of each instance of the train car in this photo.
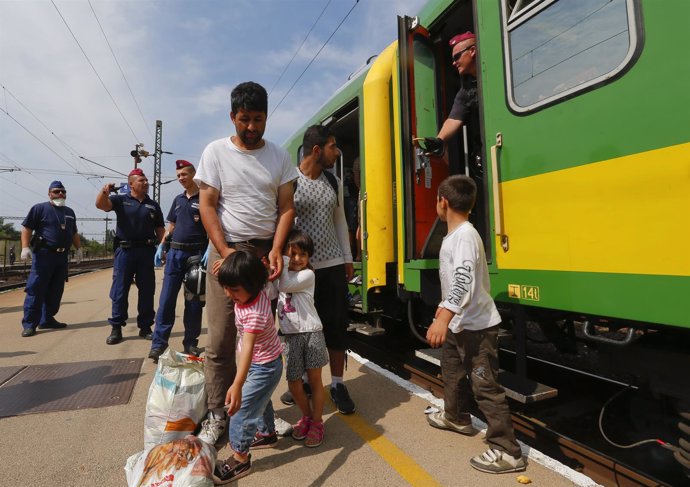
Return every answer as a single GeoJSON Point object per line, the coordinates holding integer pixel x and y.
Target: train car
{"type": "Point", "coordinates": [584, 177]}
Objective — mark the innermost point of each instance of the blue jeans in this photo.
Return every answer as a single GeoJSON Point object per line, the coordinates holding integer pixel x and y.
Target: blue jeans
{"type": "Point", "coordinates": [256, 412]}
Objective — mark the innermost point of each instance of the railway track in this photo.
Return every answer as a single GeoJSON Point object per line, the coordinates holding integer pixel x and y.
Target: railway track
{"type": "Point", "coordinates": [13, 277]}
{"type": "Point", "coordinates": [579, 454]}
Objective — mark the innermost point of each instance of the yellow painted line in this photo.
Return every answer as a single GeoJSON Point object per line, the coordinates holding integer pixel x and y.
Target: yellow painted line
{"type": "Point", "coordinates": [405, 465]}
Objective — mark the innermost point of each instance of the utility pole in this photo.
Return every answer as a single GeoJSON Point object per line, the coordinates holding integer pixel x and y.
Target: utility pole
{"type": "Point", "coordinates": [157, 162]}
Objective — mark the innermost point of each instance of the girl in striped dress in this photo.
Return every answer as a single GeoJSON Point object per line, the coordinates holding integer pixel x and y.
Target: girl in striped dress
{"type": "Point", "coordinates": [259, 364]}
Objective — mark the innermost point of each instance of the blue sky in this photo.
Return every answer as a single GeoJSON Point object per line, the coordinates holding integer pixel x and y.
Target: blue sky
{"type": "Point", "coordinates": [181, 59]}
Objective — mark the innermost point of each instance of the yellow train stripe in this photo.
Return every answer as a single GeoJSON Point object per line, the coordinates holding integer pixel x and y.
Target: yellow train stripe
{"type": "Point", "coordinates": [627, 215]}
{"type": "Point", "coordinates": [405, 465]}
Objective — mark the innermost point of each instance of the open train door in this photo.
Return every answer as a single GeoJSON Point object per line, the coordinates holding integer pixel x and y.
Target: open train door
{"type": "Point", "coordinates": [419, 117]}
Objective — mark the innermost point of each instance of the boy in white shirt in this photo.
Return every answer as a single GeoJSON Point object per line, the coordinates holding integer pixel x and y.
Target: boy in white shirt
{"type": "Point", "coordinates": [466, 326]}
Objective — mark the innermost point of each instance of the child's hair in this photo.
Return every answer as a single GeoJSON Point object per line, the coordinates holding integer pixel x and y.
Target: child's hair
{"type": "Point", "coordinates": [460, 191]}
{"type": "Point", "coordinates": [242, 268]}
{"type": "Point", "coordinates": [300, 240]}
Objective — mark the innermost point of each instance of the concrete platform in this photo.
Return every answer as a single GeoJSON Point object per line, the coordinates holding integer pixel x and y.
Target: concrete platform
{"type": "Point", "coordinates": [386, 442]}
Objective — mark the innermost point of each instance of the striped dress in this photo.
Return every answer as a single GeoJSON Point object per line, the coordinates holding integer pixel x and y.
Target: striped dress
{"type": "Point", "coordinates": [257, 317]}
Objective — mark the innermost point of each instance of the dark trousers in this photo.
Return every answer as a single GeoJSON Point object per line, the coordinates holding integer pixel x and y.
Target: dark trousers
{"type": "Point", "coordinates": [133, 263]}
{"type": "Point", "coordinates": [175, 268]}
{"type": "Point", "coordinates": [469, 365]}
{"type": "Point", "coordinates": [44, 287]}
{"type": "Point", "coordinates": [220, 365]}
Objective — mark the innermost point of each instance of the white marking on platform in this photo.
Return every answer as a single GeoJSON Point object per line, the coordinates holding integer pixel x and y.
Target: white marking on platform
{"type": "Point", "coordinates": [534, 455]}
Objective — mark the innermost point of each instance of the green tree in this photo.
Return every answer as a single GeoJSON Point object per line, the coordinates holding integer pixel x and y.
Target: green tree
{"type": "Point", "coordinates": [8, 232]}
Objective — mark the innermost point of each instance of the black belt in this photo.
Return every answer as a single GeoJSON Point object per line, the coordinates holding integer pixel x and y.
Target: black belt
{"type": "Point", "coordinates": [187, 246]}
{"type": "Point", "coordinates": [128, 244]}
{"type": "Point", "coordinates": [256, 242]}
{"type": "Point", "coordinates": [56, 249]}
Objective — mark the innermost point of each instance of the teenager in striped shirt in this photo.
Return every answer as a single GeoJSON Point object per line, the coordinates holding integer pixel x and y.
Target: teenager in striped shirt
{"type": "Point", "coordinates": [259, 364]}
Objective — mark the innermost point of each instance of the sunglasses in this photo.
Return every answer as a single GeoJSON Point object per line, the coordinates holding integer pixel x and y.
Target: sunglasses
{"type": "Point", "coordinates": [58, 191]}
{"type": "Point", "coordinates": [459, 54]}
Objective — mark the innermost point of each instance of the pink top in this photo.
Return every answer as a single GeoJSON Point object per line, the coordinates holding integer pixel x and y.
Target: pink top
{"type": "Point", "coordinates": [257, 317]}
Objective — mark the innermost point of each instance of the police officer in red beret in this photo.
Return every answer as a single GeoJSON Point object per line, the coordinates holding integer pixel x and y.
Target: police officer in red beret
{"type": "Point", "coordinates": [187, 239]}
{"type": "Point", "coordinates": [139, 228]}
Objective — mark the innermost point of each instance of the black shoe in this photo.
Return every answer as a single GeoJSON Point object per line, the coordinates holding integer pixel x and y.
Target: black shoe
{"type": "Point", "coordinates": [230, 469]}
{"type": "Point", "coordinates": [115, 336]}
{"type": "Point", "coordinates": [287, 399]}
{"type": "Point", "coordinates": [146, 333]}
{"type": "Point", "coordinates": [155, 353]}
{"type": "Point", "coordinates": [28, 332]}
{"type": "Point", "coordinates": [193, 350]}
{"type": "Point", "coordinates": [342, 400]}
{"type": "Point", "coordinates": [54, 325]}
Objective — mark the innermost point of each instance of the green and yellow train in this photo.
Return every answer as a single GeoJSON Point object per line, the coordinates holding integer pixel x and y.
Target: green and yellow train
{"type": "Point", "coordinates": [585, 173]}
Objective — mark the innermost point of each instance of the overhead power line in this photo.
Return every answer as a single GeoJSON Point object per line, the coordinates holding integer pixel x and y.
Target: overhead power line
{"type": "Point", "coordinates": [121, 71]}
{"type": "Point", "coordinates": [313, 58]}
{"type": "Point", "coordinates": [299, 48]}
{"type": "Point", "coordinates": [96, 72]}
{"type": "Point", "coordinates": [69, 148]}
{"type": "Point", "coordinates": [38, 139]}
{"type": "Point", "coordinates": [101, 165]}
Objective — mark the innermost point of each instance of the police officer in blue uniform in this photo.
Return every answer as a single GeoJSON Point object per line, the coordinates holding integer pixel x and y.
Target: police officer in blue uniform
{"type": "Point", "coordinates": [139, 228]}
{"type": "Point", "coordinates": [50, 229]}
{"type": "Point", "coordinates": [187, 238]}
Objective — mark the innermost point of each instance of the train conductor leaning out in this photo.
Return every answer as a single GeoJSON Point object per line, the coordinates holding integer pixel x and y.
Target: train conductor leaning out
{"type": "Point", "coordinates": [187, 241]}
{"type": "Point", "coordinates": [49, 230]}
{"type": "Point", "coordinates": [139, 228]}
{"type": "Point", "coordinates": [464, 110]}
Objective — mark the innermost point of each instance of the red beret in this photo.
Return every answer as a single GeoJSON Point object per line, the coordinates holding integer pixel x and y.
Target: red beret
{"type": "Point", "coordinates": [461, 37]}
{"type": "Point", "coordinates": [181, 163]}
{"type": "Point", "coordinates": [137, 172]}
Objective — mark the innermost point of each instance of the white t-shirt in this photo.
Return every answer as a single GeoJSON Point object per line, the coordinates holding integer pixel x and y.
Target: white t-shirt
{"type": "Point", "coordinates": [465, 281]}
{"type": "Point", "coordinates": [296, 311]}
{"type": "Point", "coordinates": [248, 182]}
{"type": "Point", "coordinates": [319, 215]}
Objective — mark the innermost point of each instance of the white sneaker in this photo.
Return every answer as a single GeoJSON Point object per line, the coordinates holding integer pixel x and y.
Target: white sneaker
{"type": "Point", "coordinates": [212, 430]}
{"type": "Point", "coordinates": [283, 428]}
{"type": "Point", "coordinates": [497, 461]}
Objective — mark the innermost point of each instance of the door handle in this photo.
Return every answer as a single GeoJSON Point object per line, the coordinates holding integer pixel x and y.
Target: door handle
{"type": "Point", "coordinates": [498, 203]}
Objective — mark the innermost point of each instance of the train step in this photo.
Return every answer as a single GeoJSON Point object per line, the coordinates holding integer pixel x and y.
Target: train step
{"type": "Point", "coordinates": [366, 329]}
{"type": "Point", "coordinates": [520, 389]}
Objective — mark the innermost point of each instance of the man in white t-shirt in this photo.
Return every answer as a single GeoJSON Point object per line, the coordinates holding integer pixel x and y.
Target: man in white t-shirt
{"type": "Point", "coordinates": [245, 199]}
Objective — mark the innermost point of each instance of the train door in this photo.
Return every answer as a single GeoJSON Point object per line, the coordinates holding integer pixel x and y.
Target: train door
{"type": "Point", "coordinates": [419, 89]}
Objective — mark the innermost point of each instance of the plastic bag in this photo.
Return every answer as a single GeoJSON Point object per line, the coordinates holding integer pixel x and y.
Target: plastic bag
{"type": "Point", "coordinates": [177, 398]}
{"type": "Point", "coordinates": [186, 462]}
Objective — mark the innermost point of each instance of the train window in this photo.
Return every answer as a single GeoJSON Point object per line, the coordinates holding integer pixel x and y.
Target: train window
{"type": "Point", "coordinates": [557, 48]}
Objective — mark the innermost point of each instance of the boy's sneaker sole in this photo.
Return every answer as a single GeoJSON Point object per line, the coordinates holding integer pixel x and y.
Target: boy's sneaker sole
{"type": "Point", "coordinates": [493, 461]}
{"type": "Point", "coordinates": [438, 420]}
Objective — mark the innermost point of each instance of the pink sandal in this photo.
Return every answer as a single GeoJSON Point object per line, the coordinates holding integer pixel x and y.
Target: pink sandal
{"type": "Point", "coordinates": [301, 429]}
{"type": "Point", "coordinates": [315, 434]}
